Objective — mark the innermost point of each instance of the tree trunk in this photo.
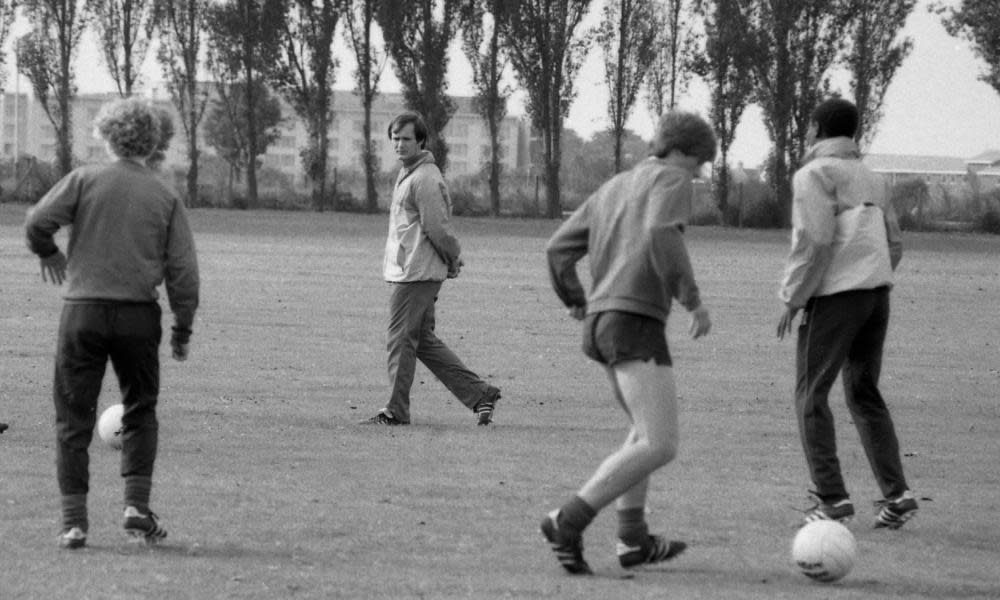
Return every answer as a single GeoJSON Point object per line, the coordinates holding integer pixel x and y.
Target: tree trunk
{"type": "Point", "coordinates": [494, 167]}
{"type": "Point", "coordinates": [371, 192]}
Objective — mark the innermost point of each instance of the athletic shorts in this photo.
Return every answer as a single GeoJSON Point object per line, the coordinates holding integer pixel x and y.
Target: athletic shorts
{"type": "Point", "coordinates": [614, 337]}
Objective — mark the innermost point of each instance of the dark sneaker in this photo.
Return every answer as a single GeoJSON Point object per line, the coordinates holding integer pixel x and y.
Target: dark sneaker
{"type": "Point", "coordinates": [73, 538]}
{"type": "Point", "coordinates": [143, 527]}
{"type": "Point", "coordinates": [382, 418]}
{"type": "Point", "coordinates": [841, 511]}
{"type": "Point", "coordinates": [656, 549]}
{"type": "Point", "coordinates": [894, 513]}
{"type": "Point", "coordinates": [569, 551]}
{"type": "Point", "coordinates": [3, 427]}
{"type": "Point", "coordinates": [487, 406]}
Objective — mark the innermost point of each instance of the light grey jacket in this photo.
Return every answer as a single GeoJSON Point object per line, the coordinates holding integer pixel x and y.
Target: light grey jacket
{"type": "Point", "coordinates": [420, 245]}
{"type": "Point", "coordinates": [845, 233]}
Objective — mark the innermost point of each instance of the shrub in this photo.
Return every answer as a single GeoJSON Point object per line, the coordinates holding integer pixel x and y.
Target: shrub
{"type": "Point", "coordinates": [758, 207]}
{"type": "Point", "coordinates": [989, 222]}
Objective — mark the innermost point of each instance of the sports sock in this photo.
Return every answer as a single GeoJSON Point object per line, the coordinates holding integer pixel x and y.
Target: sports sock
{"type": "Point", "coordinates": [632, 527]}
{"type": "Point", "coordinates": [137, 491]}
{"type": "Point", "coordinates": [575, 515]}
{"type": "Point", "coordinates": [74, 511]}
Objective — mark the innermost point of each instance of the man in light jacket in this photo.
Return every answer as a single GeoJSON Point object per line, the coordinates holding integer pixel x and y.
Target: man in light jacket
{"type": "Point", "coordinates": [420, 253]}
{"type": "Point", "coordinates": [845, 248]}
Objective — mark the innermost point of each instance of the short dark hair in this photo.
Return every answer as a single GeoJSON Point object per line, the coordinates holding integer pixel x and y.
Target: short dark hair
{"type": "Point", "coordinates": [835, 117]}
{"type": "Point", "coordinates": [684, 131]}
{"type": "Point", "coordinates": [419, 127]}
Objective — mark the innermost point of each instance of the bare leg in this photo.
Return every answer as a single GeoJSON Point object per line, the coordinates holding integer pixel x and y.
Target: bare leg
{"type": "Point", "coordinates": [648, 394]}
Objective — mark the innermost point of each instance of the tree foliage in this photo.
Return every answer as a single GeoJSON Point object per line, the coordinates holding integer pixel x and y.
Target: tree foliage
{"type": "Point", "coordinates": [670, 72]}
{"type": "Point", "coordinates": [417, 36]}
{"type": "Point", "coordinates": [370, 61]}
{"type": "Point", "coordinates": [481, 46]}
{"type": "Point", "coordinates": [627, 35]}
{"type": "Point", "coordinates": [304, 74]}
{"type": "Point", "coordinates": [978, 22]}
{"type": "Point", "coordinates": [45, 55]}
{"type": "Point", "coordinates": [244, 40]}
{"type": "Point", "coordinates": [124, 29]}
{"type": "Point", "coordinates": [540, 39]}
{"type": "Point", "coordinates": [228, 130]}
{"type": "Point", "coordinates": [8, 10]}
{"type": "Point", "coordinates": [873, 56]}
{"type": "Point", "coordinates": [180, 24]}
{"type": "Point", "coordinates": [725, 63]}
{"type": "Point", "coordinates": [795, 43]}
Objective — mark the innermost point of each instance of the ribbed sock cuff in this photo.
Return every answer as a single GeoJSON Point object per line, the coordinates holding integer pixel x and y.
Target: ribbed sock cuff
{"type": "Point", "coordinates": [632, 527]}
{"type": "Point", "coordinates": [74, 512]}
{"type": "Point", "coordinates": [137, 492]}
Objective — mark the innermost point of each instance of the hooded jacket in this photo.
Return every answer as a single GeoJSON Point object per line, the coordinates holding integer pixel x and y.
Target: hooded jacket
{"type": "Point", "coordinates": [420, 245]}
{"type": "Point", "coordinates": [845, 233]}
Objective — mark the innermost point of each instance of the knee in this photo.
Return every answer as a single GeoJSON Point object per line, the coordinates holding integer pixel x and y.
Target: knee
{"type": "Point", "coordinates": [663, 452]}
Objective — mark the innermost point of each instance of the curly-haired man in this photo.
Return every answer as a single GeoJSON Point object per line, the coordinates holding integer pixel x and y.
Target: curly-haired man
{"type": "Point", "coordinates": [129, 233]}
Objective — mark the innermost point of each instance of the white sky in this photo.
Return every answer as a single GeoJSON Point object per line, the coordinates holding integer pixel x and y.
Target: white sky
{"type": "Point", "coordinates": [935, 105]}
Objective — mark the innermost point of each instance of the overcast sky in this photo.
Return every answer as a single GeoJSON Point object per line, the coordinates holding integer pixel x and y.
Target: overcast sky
{"type": "Point", "coordinates": [935, 105]}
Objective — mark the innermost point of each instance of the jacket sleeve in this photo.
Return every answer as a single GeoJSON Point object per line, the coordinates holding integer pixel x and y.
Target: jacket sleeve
{"type": "Point", "coordinates": [679, 274]}
{"type": "Point", "coordinates": [434, 205]}
{"type": "Point", "coordinates": [814, 225]}
{"type": "Point", "coordinates": [892, 230]}
{"type": "Point", "coordinates": [565, 248]}
{"type": "Point", "coordinates": [181, 273]}
{"type": "Point", "coordinates": [56, 209]}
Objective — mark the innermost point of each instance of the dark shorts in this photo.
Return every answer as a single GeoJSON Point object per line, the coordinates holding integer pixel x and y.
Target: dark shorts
{"type": "Point", "coordinates": [614, 337]}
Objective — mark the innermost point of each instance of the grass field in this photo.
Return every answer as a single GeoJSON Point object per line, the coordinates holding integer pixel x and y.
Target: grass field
{"type": "Point", "coordinates": [270, 489]}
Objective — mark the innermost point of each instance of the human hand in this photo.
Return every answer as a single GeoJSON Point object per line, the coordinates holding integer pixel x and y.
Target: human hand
{"type": "Point", "coordinates": [179, 343]}
{"type": "Point", "coordinates": [455, 267]}
{"type": "Point", "coordinates": [701, 324]}
{"type": "Point", "coordinates": [577, 312]}
{"type": "Point", "coordinates": [785, 323]}
{"type": "Point", "coordinates": [179, 351]}
{"type": "Point", "coordinates": [54, 268]}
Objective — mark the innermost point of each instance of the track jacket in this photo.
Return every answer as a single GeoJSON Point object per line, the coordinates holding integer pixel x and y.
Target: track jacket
{"type": "Point", "coordinates": [129, 233]}
{"type": "Point", "coordinates": [845, 234]}
{"type": "Point", "coordinates": [632, 230]}
{"type": "Point", "coordinates": [420, 245]}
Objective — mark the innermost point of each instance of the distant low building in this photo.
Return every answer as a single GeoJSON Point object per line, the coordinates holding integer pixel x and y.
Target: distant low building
{"type": "Point", "coordinates": [945, 170]}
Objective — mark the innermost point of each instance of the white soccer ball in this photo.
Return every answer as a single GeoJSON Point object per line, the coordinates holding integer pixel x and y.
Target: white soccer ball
{"type": "Point", "coordinates": [824, 550]}
{"type": "Point", "coordinates": [109, 426]}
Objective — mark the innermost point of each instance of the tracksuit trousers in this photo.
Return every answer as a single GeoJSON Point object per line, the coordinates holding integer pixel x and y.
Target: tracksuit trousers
{"type": "Point", "coordinates": [89, 335]}
{"type": "Point", "coordinates": [411, 337]}
{"type": "Point", "coordinates": [845, 333]}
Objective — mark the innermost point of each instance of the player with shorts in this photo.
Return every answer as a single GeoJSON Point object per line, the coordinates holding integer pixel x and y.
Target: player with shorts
{"type": "Point", "coordinates": [632, 230]}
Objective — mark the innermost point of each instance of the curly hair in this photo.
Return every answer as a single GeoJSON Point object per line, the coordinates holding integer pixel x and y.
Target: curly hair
{"type": "Point", "coordinates": [130, 126]}
{"type": "Point", "coordinates": [684, 131]}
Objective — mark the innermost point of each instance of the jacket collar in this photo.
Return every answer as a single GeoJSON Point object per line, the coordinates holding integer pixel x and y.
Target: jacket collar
{"type": "Point", "coordinates": [838, 147]}
{"type": "Point", "coordinates": [422, 157]}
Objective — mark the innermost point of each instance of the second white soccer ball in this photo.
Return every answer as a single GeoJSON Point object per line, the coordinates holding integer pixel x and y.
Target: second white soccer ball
{"type": "Point", "coordinates": [109, 426]}
{"type": "Point", "coordinates": [824, 550]}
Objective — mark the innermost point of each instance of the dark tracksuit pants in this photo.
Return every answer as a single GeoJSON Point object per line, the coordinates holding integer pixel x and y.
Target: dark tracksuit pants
{"type": "Point", "coordinates": [411, 337]}
{"type": "Point", "coordinates": [89, 334]}
{"type": "Point", "coordinates": [845, 333]}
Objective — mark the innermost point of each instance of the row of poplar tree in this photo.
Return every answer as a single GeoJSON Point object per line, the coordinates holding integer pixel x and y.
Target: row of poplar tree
{"type": "Point", "coordinates": [777, 54]}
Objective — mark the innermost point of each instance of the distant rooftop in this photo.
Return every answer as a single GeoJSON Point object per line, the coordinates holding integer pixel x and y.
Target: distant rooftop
{"type": "Point", "coordinates": [907, 163]}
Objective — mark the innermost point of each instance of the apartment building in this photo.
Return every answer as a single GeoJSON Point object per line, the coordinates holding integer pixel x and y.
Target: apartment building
{"type": "Point", "coordinates": [26, 130]}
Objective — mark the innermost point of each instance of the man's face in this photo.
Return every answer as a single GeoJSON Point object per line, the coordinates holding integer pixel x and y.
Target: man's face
{"type": "Point", "coordinates": [404, 142]}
